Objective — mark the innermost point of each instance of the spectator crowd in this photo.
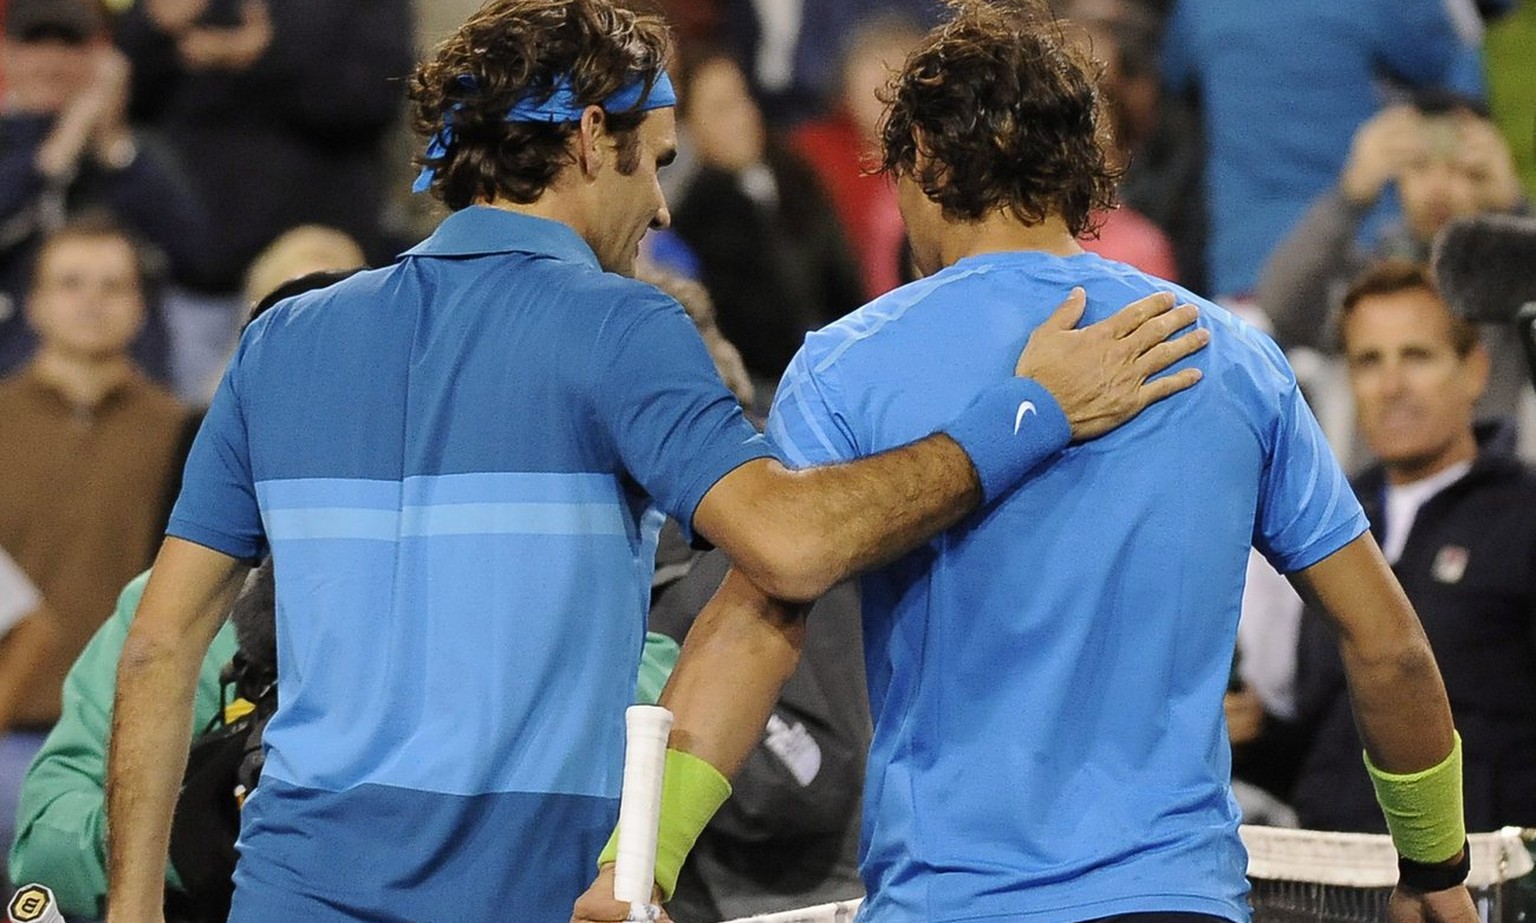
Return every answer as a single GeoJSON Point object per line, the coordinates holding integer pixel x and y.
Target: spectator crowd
{"type": "Point", "coordinates": [167, 165]}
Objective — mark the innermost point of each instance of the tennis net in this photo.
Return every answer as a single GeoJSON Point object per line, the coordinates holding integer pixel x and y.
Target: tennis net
{"type": "Point", "coordinates": [1312, 876]}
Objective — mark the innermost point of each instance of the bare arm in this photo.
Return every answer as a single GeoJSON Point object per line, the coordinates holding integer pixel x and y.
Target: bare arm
{"type": "Point", "coordinates": [797, 533]}
{"type": "Point", "coordinates": [1395, 687]}
{"type": "Point", "coordinates": [189, 594]}
{"type": "Point", "coordinates": [737, 657]}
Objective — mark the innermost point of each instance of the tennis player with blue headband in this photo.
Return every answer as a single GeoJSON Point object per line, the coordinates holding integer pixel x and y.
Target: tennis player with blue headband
{"type": "Point", "coordinates": [460, 464]}
{"type": "Point", "coordinates": [558, 104]}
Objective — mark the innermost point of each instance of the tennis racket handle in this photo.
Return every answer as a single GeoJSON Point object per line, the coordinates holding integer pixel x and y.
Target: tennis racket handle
{"type": "Point", "coordinates": [33, 904]}
{"type": "Point", "coordinates": [645, 754]}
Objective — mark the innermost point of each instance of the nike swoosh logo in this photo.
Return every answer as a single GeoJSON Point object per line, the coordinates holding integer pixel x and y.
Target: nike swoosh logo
{"type": "Point", "coordinates": [1026, 408]}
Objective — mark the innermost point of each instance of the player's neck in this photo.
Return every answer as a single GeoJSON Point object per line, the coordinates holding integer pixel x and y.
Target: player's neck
{"type": "Point", "coordinates": [1002, 233]}
{"type": "Point", "coordinates": [561, 208]}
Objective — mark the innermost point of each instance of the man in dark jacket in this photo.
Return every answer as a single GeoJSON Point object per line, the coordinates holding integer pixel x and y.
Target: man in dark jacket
{"type": "Point", "coordinates": [1455, 513]}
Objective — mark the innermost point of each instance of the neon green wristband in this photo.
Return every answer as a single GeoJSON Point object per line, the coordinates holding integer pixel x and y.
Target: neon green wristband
{"type": "Point", "coordinates": [1423, 809]}
{"type": "Point", "coordinates": [691, 792]}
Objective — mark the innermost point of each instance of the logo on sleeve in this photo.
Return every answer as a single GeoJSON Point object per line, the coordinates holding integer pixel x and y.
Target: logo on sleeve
{"type": "Point", "coordinates": [1025, 409]}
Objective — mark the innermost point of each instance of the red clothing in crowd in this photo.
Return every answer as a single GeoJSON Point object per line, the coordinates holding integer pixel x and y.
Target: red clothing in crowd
{"type": "Point", "coordinates": [1130, 237]}
{"type": "Point", "coordinates": [865, 204]}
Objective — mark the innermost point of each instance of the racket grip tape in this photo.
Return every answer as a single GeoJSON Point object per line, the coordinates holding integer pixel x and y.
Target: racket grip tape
{"type": "Point", "coordinates": [692, 791]}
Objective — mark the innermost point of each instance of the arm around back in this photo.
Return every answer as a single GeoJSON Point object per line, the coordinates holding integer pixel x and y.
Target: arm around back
{"type": "Point", "coordinates": [797, 533]}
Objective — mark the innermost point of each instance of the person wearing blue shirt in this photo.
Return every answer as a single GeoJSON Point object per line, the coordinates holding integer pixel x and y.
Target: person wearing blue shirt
{"type": "Point", "coordinates": [1046, 677]}
{"type": "Point", "coordinates": [459, 464]}
{"type": "Point", "coordinates": [1282, 88]}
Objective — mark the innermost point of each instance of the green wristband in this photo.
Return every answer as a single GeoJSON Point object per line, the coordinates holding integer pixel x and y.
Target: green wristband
{"type": "Point", "coordinates": [1423, 809]}
{"type": "Point", "coordinates": [691, 792]}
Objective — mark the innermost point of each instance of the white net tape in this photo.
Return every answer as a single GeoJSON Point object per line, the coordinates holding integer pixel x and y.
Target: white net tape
{"type": "Point", "coordinates": [1316, 858]}
{"type": "Point", "coordinates": [1367, 860]}
{"type": "Point", "coordinates": [840, 912]}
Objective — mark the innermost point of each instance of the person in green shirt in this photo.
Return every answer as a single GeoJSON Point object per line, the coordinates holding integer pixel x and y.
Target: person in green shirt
{"type": "Point", "coordinates": [61, 835]}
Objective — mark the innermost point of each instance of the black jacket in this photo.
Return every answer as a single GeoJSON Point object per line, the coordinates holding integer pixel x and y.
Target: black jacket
{"type": "Point", "coordinates": [296, 139]}
{"type": "Point", "coordinates": [1469, 568]}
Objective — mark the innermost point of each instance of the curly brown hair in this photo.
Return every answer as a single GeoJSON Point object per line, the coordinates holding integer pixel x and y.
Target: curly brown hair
{"type": "Point", "coordinates": [997, 109]}
{"type": "Point", "coordinates": [513, 49]}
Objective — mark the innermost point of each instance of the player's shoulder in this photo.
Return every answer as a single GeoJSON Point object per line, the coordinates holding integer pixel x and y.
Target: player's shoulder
{"type": "Point", "coordinates": [365, 290]}
{"type": "Point", "coordinates": [897, 320]}
{"type": "Point", "coordinates": [581, 290]}
{"type": "Point", "coordinates": [1244, 346]}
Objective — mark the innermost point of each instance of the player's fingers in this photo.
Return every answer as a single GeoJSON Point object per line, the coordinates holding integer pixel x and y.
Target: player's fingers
{"type": "Point", "coordinates": [1130, 318]}
{"type": "Point", "coordinates": [1161, 328]}
{"type": "Point", "coordinates": [1164, 354]}
{"type": "Point", "coordinates": [598, 906]}
{"type": "Point", "coordinates": [1069, 312]}
{"type": "Point", "coordinates": [1167, 386]}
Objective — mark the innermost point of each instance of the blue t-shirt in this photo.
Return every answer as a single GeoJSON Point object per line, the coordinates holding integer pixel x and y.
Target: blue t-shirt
{"type": "Point", "coordinates": [453, 461]}
{"type": "Point", "coordinates": [1046, 678]}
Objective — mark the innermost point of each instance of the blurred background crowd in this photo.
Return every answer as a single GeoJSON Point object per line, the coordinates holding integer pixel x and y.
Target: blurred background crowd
{"type": "Point", "coordinates": [165, 164]}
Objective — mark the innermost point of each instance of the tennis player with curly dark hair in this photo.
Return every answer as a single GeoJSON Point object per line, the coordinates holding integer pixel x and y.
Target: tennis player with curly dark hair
{"type": "Point", "coordinates": [1046, 678]}
{"type": "Point", "coordinates": [982, 124]}
{"type": "Point", "coordinates": [460, 464]}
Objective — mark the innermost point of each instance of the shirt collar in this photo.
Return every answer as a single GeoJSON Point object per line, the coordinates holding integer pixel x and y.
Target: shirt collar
{"type": "Point", "coordinates": [480, 230]}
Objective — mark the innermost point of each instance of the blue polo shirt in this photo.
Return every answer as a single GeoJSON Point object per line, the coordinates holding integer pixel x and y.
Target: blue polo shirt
{"type": "Point", "coordinates": [1046, 678]}
{"type": "Point", "coordinates": [454, 462]}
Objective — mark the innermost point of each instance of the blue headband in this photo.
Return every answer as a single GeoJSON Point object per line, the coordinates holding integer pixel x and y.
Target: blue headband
{"type": "Point", "coordinates": [558, 105]}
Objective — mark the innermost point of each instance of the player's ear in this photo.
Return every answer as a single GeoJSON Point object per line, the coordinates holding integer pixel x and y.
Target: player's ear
{"type": "Point", "coordinates": [592, 140]}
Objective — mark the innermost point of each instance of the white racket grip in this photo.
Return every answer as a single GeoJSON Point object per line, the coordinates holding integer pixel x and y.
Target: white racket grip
{"type": "Point", "coordinates": [645, 755]}
{"type": "Point", "coordinates": [33, 904]}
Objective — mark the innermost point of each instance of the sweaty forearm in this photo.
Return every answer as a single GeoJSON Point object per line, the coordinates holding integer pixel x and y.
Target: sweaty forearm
{"type": "Point", "coordinates": [1395, 687]}
{"type": "Point", "coordinates": [816, 527]}
{"type": "Point", "coordinates": [151, 734]}
{"type": "Point", "coordinates": [737, 657]}
{"type": "Point", "coordinates": [181, 610]}
{"type": "Point", "coordinates": [1400, 704]}
{"type": "Point", "coordinates": [874, 510]}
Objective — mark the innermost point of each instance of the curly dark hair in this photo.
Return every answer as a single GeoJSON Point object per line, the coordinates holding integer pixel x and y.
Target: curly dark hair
{"type": "Point", "coordinates": [997, 109]}
{"type": "Point", "coordinates": [512, 49]}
